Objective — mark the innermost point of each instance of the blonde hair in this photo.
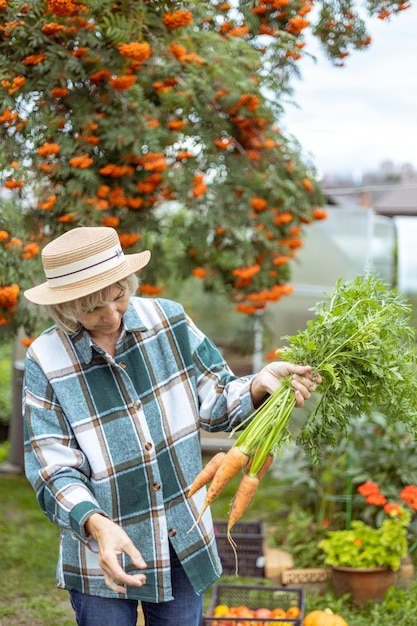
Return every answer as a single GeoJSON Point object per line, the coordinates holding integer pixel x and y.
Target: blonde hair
{"type": "Point", "coordinates": [65, 315]}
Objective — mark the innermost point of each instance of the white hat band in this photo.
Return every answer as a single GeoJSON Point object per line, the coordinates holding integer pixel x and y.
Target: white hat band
{"type": "Point", "coordinates": [97, 264]}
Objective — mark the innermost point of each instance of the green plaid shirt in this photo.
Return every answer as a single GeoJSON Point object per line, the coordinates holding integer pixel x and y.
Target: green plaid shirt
{"type": "Point", "coordinates": [121, 436]}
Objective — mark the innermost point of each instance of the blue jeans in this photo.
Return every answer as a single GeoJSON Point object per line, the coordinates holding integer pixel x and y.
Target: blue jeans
{"type": "Point", "coordinates": [185, 609]}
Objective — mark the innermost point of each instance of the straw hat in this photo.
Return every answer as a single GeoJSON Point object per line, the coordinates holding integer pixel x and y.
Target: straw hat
{"type": "Point", "coordinates": [82, 261]}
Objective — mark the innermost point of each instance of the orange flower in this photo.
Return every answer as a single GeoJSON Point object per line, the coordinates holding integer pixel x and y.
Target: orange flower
{"type": "Point", "coordinates": [319, 214]}
{"type": "Point", "coordinates": [295, 230]}
{"type": "Point", "coordinates": [49, 148]}
{"type": "Point", "coordinates": [49, 168]}
{"type": "Point", "coordinates": [30, 250]}
{"type": "Point", "coordinates": [308, 184]}
{"type": "Point", "coordinates": [297, 24]}
{"type": "Point", "coordinates": [258, 204]}
{"type": "Point", "coordinates": [8, 116]}
{"type": "Point", "coordinates": [92, 140]}
{"type": "Point", "coordinates": [48, 204]}
{"type": "Point", "coordinates": [175, 124]}
{"type": "Point", "coordinates": [282, 218]}
{"type": "Point", "coordinates": [13, 184]}
{"type": "Point", "coordinates": [117, 197]}
{"type": "Point", "coordinates": [367, 489]}
{"type": "Point", "coordinates": [199, 272]}
{"type": "Point", "coordinates": [116, 171]}
{"type": "Point", "coordinates": [9, 296]}
{"type": "Point", "coordinates": [305, 9]}
{"type": "Point", "coordinates": [247, 272]}
{"type": "Point", "coordinates": [150, 290]}
{"type": "Point", "coordinates": [26, 341]}
{"type": "Point", "coordinates": [199, 188]}
{"type": "Point", "coordinates": [238, 31]}
{"type": "Point", "coordinates": [248, 309]}
{"type": "Point", "coordinates": [393, 510]}
{"type": "Point", "coordinates": [52, 28]}
{"type": "Point", "coordinates": [149, 184]}
{"type": "Point", "coordinates": [61, 7]}
{"type": "Point", "coordinates": [59, 92]}
{"type": "Point", "coordinates": [134, 203]}
{"type": "Point", "coordinates": [100, 76]}
{"type": "Point", "coordinates": [68, 217]}
{"type": "Point", "coordinates": [184, 155]}
{"type": "Point", "coordinates": [409, 495]}
{"type": "Point", "coordinates": [177, 19]}
{"type": "Point", "coordinates": [111, 221]}
{"type": "Point", "coordinates": [34, 59]}
{"type": "Point", "coordinates": [223, 144]}
{"type": "Point", "coordinates": [271, 355]}
{"type": "Point", "coordinates": [81, 162]}
{"type": "Point", "coordinates": [177, 50]}
{"type": "Point", "coordinates": [376, 499]}
{"type": "Point", "coordinates": [137, 51]}
{"type": "Point", "coordinates": [79, 52]}
{"type": "Point", "coordinates": [259, 10]}
{"type": "Point", "coordinates": [3, 235]}
{"type": "Point", "coordinates": [16, 84]}
{"type": "Point", "coordinates": [248, 100]}
{"type": "Point", "coordinates": [281, 260]}
{"type": "Point", "coordinates": [122, 83]}
{"type": "Point", "coordinates": [127, 240]}
{"type": "Point", "coordinates": [154, 161]}
{"type": "Point", "coordinates": [161, 87]}
{"type": "Point", "coordinates": [102, 191]}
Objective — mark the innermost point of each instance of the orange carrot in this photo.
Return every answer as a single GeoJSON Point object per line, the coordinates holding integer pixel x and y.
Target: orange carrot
{"type": "Point", "coordinates": [206, 474]}
{"type": "Point", "coordinates": [233, 461]}
{"type": "Point", "coordinates": [241, 500]}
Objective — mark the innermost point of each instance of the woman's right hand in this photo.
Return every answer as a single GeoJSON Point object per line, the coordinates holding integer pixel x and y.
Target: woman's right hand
{"type": "Point", "coordinates": [113, 540]}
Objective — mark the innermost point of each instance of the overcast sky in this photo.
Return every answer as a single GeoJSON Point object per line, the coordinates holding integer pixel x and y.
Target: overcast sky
{"type": "Point", "coordinates": [350, 119]}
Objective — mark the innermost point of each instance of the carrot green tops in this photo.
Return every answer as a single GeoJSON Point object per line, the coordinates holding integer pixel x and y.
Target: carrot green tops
{"type": "Point", "coordinates": [121, 436]}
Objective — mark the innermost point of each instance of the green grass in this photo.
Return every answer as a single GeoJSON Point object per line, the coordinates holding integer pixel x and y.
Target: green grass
{"type": "Point", "coordinates": [28, 555]}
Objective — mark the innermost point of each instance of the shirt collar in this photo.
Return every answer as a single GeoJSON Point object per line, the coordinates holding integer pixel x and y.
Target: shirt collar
{"type": "Point", "coordinates": [82, 340]}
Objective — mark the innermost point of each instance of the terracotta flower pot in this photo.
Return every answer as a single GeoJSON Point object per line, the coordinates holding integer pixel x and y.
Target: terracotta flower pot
{"type": "Point", "coordinates": [363, 584]}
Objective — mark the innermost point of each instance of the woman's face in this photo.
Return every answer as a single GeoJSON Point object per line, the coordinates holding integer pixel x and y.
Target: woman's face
{"type": "Point", "coordinates": [106, 318]}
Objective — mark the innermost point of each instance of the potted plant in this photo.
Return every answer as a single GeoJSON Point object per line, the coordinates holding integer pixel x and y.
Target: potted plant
{"type": "Point", "coordinates": [365, 559]}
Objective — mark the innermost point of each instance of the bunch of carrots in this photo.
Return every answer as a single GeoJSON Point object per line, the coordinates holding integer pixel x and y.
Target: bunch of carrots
{"type": "Point", "coordinates": [363, 347]}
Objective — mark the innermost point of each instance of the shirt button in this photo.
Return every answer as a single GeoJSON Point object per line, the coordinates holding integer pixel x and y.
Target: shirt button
{"type": "Point", "coordinates": [148, 446]}
{"type": "Point", "coordinates": [172, 532]}
{"type": "Point", "coordinates": [136, 405]}
{"type": "Point", "coordinates": [122, 364]}
{"type": "Point", "coordinates": [156, 486]}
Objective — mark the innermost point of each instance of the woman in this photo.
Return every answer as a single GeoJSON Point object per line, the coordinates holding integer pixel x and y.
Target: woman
{"type": "Point", "coordinates": [114, 396]}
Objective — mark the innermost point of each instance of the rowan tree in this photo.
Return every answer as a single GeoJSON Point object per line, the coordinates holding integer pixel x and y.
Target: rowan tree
{"type": "Point", "coordinates": [161, 118]}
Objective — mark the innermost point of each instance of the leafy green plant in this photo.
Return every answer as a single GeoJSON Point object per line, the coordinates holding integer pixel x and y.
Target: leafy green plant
{"type": "Point", "coordinates": [362, 346]}
{"type": "Point", "coordinates": [363, 546]}
{"type": "Point", "coordinates": [398, 607]}
{"type": "Point", "coordinates": [300, 535]}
